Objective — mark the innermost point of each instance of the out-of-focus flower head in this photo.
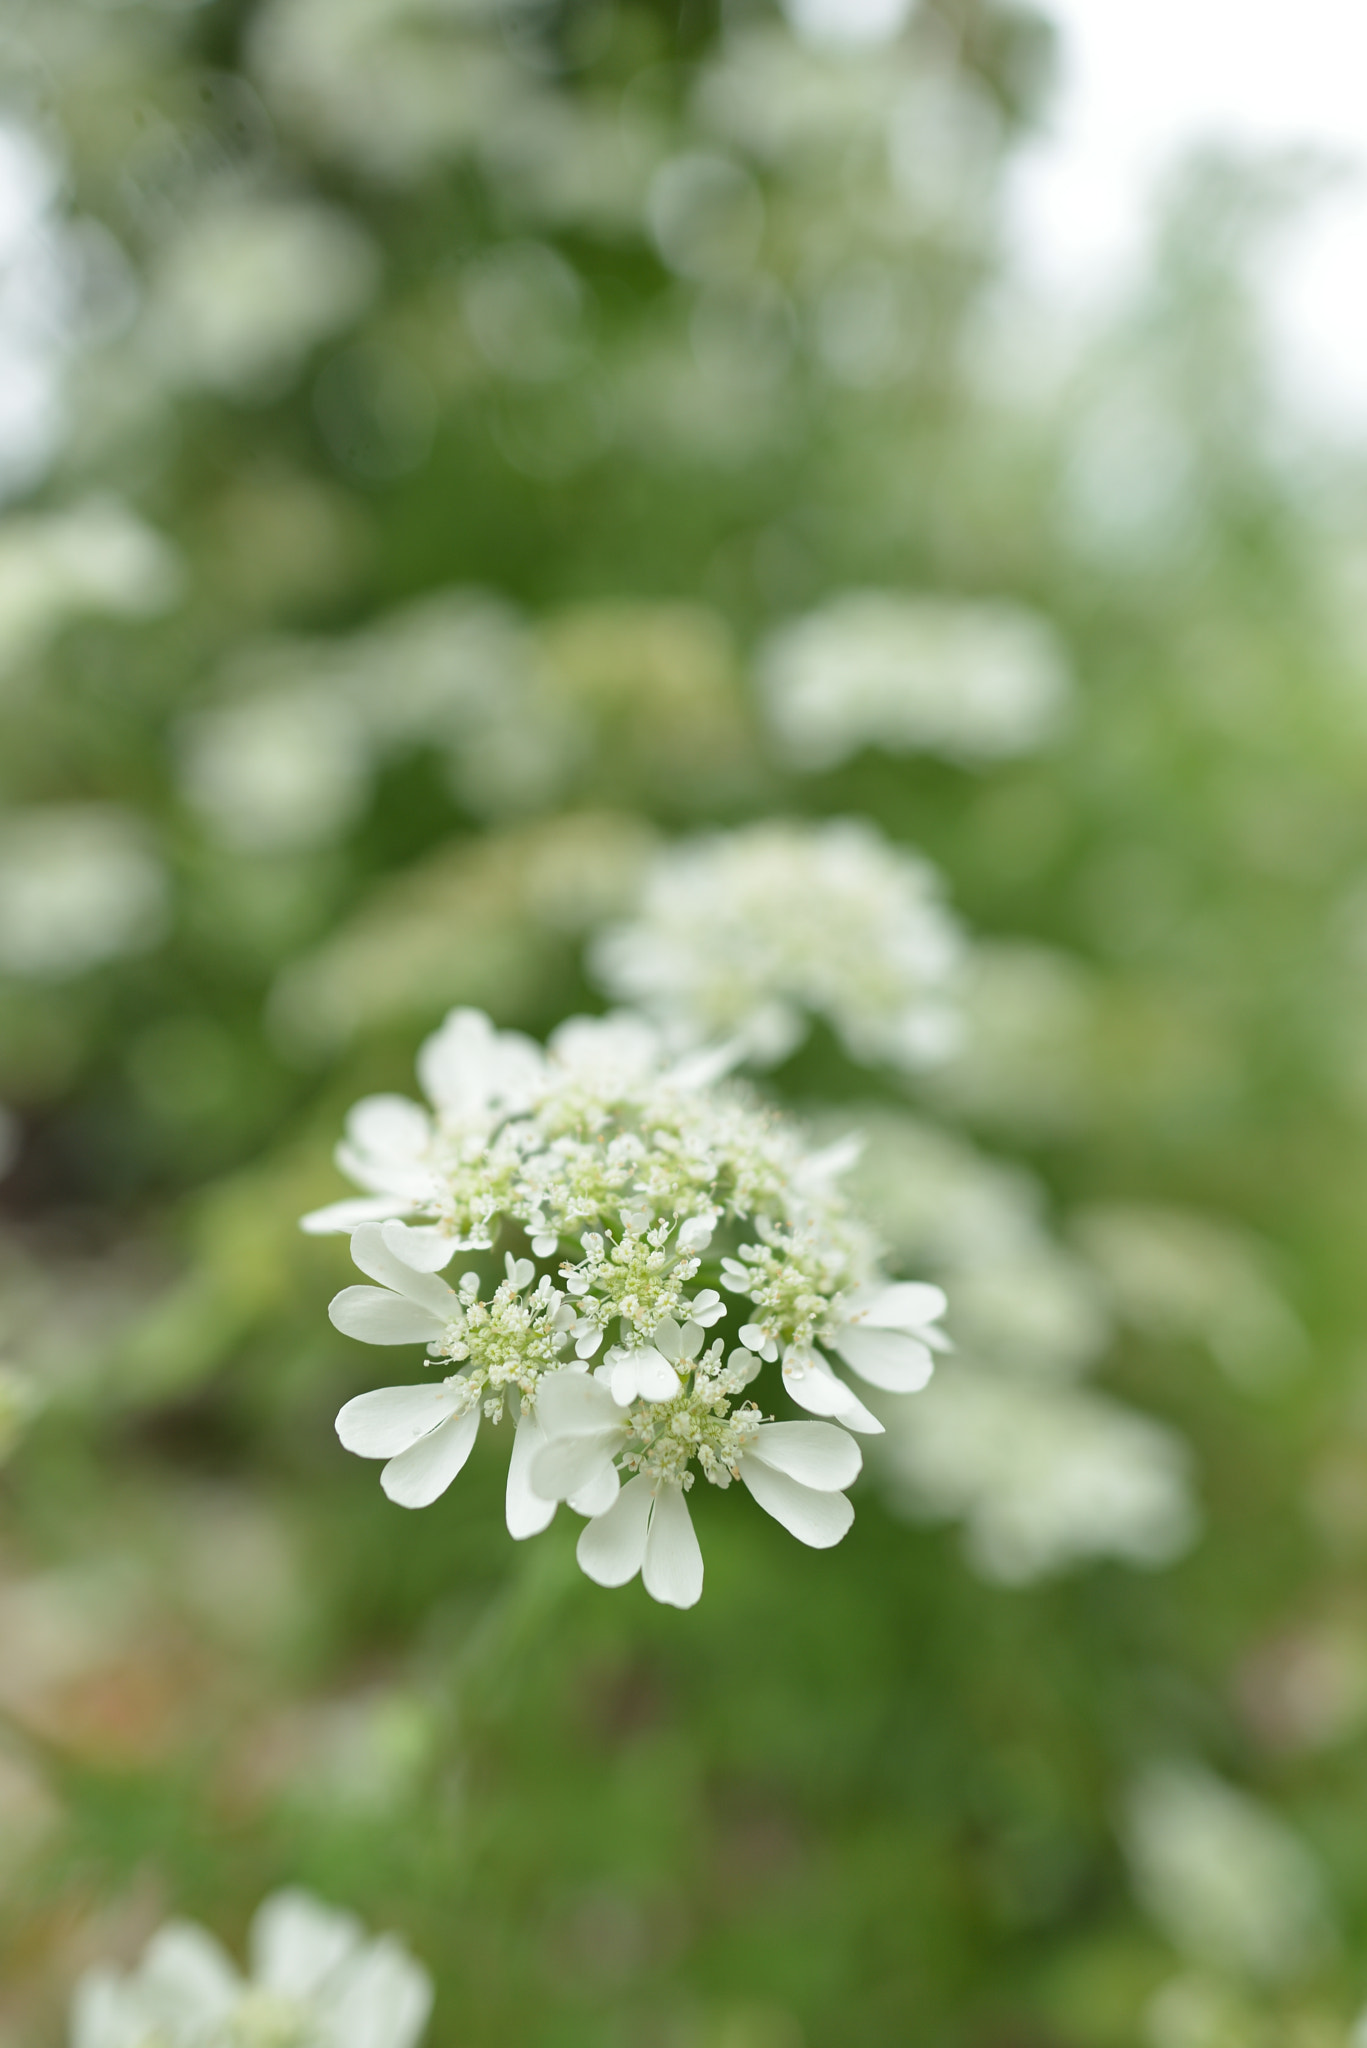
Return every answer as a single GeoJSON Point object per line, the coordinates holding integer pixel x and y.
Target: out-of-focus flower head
{"type": "Point", "coordinates": [1228, 1882]}
{"type": "Point", "coordinates": [659, 1174]}
{"type": "Point", "coordinates": [315, 1981]}
{"type": "Point", "coordinates": [1044, 1476]}
{"type": "Point", "coordinates": [37, 289]}
{"type": "Point", "coordinates": [1191, 1277]}
{"type": "Point", "coordinates": [95, 557]}
{"type": "Point", "coordinates": [975, 682]}
{"type": "Point", "coordinates": [752, 932]}
{"type": "Point", "coordinates": [249, 284]}
{"type": "Point", "coordinates": [80, 884]}
{"type": "Point", "coordinates": [393, 86]}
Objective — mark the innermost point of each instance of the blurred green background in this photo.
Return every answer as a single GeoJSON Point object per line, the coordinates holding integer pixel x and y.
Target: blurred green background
{"type": "Point", "coordinates": [427, 420]}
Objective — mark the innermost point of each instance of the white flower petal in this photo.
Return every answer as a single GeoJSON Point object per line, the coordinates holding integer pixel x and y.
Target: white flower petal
{"type": "Point", "coordinates": [885, 1358]}
{"type": "Point", "coordinates": [378, 1317]}
{"type": "Point", "coordinates": [389, 1420]}
{"type": "Point", "coordinates": [384, 1127]}
{"type": "Point", "coordinates": [814, 1453]}
{"type": "Point", "coordinates": [423, 1248]}
{"type": "Point", "coordinates": [188, 1977]}
{"type": "Point", "coordinates": [817, 1518]}
{"type": "Point", "coordinates": [816, 1388]}
{"type": "Point", "coordinates": [297, 1942]}
{"type": "Point", "coordinates": [672, 1568]}
{"type": "Point", "coordinates": [597, 1497]}
{"type": "Point", "coordinates": [374, 1253]}
{"type": "Point", "coordinates": [572, 1465]}
{"type": "Point", "coordinates": [419, 1476]}
{"type": "Point", "coordinates": [667, 1339]}
{"type": "Point", "coordinates": [611, 1547]}
{"type": "Point", "coordinates": [656, 1379]}
{"type": "Point", "coordinates": [380, 1998]}
{"type": "Point", "coordinates": [528, 1512]}
{"type": "Point", "coordinates": [345, 1215]}
{"type": "Point", "coordinates": [470, 1070]}
{"type": "Point", "coordinates": [900, 1305]}
{"type": "Point", "coordinates": [570, 1403]}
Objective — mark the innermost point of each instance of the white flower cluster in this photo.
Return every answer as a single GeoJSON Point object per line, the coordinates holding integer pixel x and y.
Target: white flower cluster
{"type": "Point", "coordinates": [80, 884]}
{"type": "Point", "coordinates": [634, 1179]}
{"type": "Point", "coordinates": [249, 284]}
{"type": "Point", "coordinates": [287, 758]}
{"type": "Point", "coordinates": [754, 931]}
{"type": "Point", "coordinates": [95, 556]}
{"type": "Point", "coordinates": [976, 682]}
{"type": "Point", "coordinates": [315, 1982]}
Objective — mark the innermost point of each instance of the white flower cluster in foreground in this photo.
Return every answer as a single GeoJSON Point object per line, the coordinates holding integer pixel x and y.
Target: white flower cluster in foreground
{"type": "Point", "coordinates": [628, 1196]}
{"type": "Point", "coordinates": [754, 931]}
{"type": "Point", "coordinates": [316, 1981]}
{"type": "Point", "coordinates": [976, 682]}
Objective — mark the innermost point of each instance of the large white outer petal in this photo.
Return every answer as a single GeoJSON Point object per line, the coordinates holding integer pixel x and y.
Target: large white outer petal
{"type": "Point", "coordinates": [885, 1358]}
{"type": "Point", "coordinates": [612, 1547]}
{"type": "Point", "coordinates": [570, 1403]}
{"type": "Point", "coordinates": [814, 1453]}
{"type": "Point", "coordinates": [421, 1475]}
{"type": "Point", "coordinates": [816, 1388]}
{"type": "Point", "coordinates": [569, 1466]}
{"type": "Point", "coordinates": [468, 1069]}
{"type": "Point", "coordinates": [672, 1567]}
{"type": "Point", "coordinates": [381, 1999]}
{"type": "Point", "coordinates": [423, 1248]}
{"type": "Point", "coordinates": [389, 1420]}
{"type": "Point", "coordinates": [378, 1317]}
{"type": "Point", "coordinates": [527, 1511]}
{"type": "Point", "coordinates": [345, 1215]}
{"type": "Point", "coordinates": [900, 1305]}
{"type": "Point", "coordinates": [297, 1942]}
{"type": "Point", "coordinates": [373, 1253]}
{"type": "Point", "coordinates": [187, 1979]}
{"type": "Point", "coordinates": [597, 1496]}
{"type": "Point", "coordinates": [388, 1127]}
{"type": "Point", "coordinates": [815, 1517]}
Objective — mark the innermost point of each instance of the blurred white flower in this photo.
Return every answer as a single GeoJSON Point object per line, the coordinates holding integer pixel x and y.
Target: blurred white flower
{"type": "Point", "coordinates": [976, 682]}
{"type": "Point", "coordinates": [287, 757]}
{"type": "Point", "coordinates": [79, 885]}
{"type": "Point", "coordinates": [315, 1981]}
{"type": "Point", "coordinates": [277, 771]}
{"type": "Point", "coordinates": [249, 285]}
{"type": "Point", "coordinates": [1225, 1879]}
{"type": "Point", "coordinates": [93, 557]}
{"type": "Point", "coordinates": [1184, 1276]}
{"type": "Point", "coordinates": [395, 86]}
{"type": "Point", "coordinates": [841, 24]}
{"type": "Point", "coordinates": [1022, 1301]}
{"type": "Point", "coordinates": [1044, 1476]}
{"type": "Point", "coordinates": [752, 932]}
{"type": "Point", "coordinates": [37, 289]}
{"type": "Point", "coordinates": [1026, 1056]}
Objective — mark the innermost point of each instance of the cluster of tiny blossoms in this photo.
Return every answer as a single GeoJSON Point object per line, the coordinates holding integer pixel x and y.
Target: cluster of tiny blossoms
{"type": "Point", "coordinates": [616, 1186]}
{"type": "Point", "coordinates": [755, 932]}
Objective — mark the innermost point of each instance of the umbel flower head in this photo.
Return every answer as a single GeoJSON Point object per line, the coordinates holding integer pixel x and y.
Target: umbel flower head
{"type": "Point", "coordinates": [614, 1199]}
{"type": "Point", "coordinates": [315, 1981]}
{"type": "Point", "coordinates": [756, 931]}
